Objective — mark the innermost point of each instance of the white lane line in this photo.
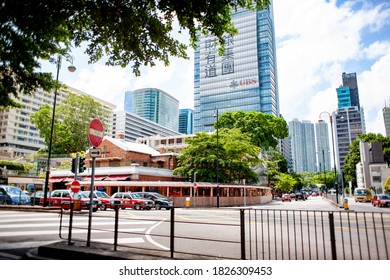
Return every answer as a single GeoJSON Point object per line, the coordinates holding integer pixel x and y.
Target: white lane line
{"type": "Point", "coordinates": [46, 232]}
{"type": "Point", "coordinates": [94, 223]}
{"type": "Point", "coordinates": [149, 238]}
{"type": "Point", "coordinates": [120, 240]}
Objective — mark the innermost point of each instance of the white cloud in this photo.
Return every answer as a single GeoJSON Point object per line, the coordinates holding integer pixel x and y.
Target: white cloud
{"type": "Point", "coordinates": [316, 42]}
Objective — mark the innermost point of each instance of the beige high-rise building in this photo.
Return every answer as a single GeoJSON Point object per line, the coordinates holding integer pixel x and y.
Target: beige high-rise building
{"type": "Point", "coordinates": [18, 135]}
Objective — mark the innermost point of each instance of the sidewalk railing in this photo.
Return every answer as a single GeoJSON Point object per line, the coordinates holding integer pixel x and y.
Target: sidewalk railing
{"type": "Point", "coordinates": [256, 234]}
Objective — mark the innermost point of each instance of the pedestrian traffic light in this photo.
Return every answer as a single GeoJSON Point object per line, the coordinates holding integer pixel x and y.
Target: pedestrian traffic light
{"type": "Point", "coordinates": [74, 165]}
{"type": "Point", "coordinates": [81, 164]}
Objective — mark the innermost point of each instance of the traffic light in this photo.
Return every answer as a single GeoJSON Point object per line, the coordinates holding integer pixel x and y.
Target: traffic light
{"type": "Point", "coordinates": [81, 164]}
{"type": "Point", "coordinates": [74, 165]}
{"type": "Point", "coordinates": [191, 178]}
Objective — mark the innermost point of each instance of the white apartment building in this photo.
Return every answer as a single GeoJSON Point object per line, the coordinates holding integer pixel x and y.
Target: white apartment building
{"type": "Point", "coordinates": [18, 135]}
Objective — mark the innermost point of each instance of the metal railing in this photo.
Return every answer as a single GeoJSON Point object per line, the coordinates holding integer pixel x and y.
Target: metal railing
{"type": "Point", "coordinates": [256, 234]}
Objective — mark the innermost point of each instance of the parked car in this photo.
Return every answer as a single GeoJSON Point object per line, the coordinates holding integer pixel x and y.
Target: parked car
{"type": "Point", "coordinates": [133, 200]}
{"type": "Point", "coordinates": [286, 197]}
{"type": "Point", "coordinates": [299, 195]}
{"type": "Point", "coordinates": [36, 196]}
{"type": "Point", "coordinates": [63, 198]}
{"type": "Point", "coordinates": [105, 201]}
{"type": "Point", "coordinates": [381, 200]}
{"type": "Point", "coordinates": [313, 194]}
{"type": "Point", "coordinates": [13, 195]}
{"type": "Point", "coordinates": [292, 195]}
{"type": "Point", "coordinates": [159, 200]}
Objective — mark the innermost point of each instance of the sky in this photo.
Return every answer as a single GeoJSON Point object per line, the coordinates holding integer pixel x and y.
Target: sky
{"type": "Point", "coordinates": [316, 42]}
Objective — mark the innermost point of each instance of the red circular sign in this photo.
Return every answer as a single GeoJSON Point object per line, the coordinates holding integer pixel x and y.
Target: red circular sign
{"type": "Point", "coordinates": [75, 186]}
{"type": "Point", "coordinates": [95, 132]}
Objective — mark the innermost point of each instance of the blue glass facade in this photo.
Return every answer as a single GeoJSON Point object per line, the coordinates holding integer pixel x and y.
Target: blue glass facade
{"type": "Point", "coordinates": [154, 105]}
{"type": "Point", "coordinates": [186, 121]}
{"type": "Point", "coordinates": [244, 77]}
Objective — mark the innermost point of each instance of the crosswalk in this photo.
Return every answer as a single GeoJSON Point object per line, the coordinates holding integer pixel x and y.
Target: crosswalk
{"type": "Point", "coordinates": [19, 229]}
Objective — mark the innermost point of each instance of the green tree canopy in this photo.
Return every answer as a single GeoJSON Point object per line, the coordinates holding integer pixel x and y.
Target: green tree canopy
{"type": "Point", "coordinates": [127, 32]}
{"type": "Point", "coordinates": [71, 123]}
{"type": "Point", "coordinates": [235, 156]}
{"type": "Point", "coordinates": [263, 129]}
{"type": "Point", "coordinates": [285, 183]}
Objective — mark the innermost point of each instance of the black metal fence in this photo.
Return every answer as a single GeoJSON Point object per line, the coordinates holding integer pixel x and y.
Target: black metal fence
{"type": "Point", "coordinates": [256, 234]}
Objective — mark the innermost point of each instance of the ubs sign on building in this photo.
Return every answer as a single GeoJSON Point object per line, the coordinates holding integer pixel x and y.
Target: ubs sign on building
{"type": "Point", "coordinates": [244, 77]}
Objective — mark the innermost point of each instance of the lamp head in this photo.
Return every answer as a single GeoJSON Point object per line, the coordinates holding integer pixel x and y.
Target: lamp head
{"type": "Point", "coordinates": [71, 68]}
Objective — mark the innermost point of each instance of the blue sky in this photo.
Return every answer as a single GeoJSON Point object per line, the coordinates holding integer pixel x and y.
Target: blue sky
{"type": "Point", "coordinates": [317, 40]}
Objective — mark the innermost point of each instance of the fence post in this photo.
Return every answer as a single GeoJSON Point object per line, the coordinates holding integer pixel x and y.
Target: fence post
{"type": "Point", "coordinates": [242, 232]}
{"type": "Point", "coordinates": [172, 233]}
{"type": "Point", "coordinates": [332, 236]}
{"type": "Point", "coordinates": [116, 208]}
{"type": "Point", "coordinates": [70, 224]}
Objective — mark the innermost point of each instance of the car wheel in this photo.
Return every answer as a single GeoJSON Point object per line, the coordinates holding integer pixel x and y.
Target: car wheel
{"type": "Point", "coordinates": [137, 207]}
{"type": "Point", "coordinates": [103, 207]}
{"type": "Point", "coordinates": [158, 206]}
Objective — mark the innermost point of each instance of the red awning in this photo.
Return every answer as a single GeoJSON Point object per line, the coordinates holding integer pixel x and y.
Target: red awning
{"type": "Point", "coordinates": [97, 178]}
{"type": "Point", "coordinates": [59, 179]}
{"type": "Point", "coordinates": [116, 178]}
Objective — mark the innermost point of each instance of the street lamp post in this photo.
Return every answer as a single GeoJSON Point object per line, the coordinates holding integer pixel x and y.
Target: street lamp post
{"type": "Point", "coordinates": [71, 68]}
{"type": "Point", "coordinates": [334, 156]}
{"type": "Point", "coordinates": [217, 116]}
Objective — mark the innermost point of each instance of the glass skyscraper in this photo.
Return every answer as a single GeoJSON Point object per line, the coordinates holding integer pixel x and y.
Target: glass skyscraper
{"type": "Point", "coordinates": [186, 121]}
{"type": "Point", "coordinates": [349, 120]}
{"type": "Point", "coordinates": [154, 105]}
{"type": "Point", "coordinates": [244, 77]}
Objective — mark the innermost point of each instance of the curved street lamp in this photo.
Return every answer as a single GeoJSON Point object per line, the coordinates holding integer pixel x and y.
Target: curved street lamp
{"type": "Point", "coordinates": [334, 154]}
{"type": "Point", "coordinates": [71, 68]}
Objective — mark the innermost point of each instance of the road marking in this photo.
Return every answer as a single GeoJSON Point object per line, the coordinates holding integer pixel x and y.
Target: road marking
{"type": "Point", "coordinates": [94, 223]}
{"type": "Point", "coordinates": [120, 240]}
{"type": "Point", "coordinates": [47, 232]}
{"type": "Point", "coordinates": [149, 238]}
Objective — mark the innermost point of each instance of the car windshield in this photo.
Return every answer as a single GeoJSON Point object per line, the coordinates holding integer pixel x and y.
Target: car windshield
{"type": "Point", "coordinates": [384, 197]}
{"type": "Point", "coordinates": [86, 194]}
{"type": "Point", "coordinates": [159, 195]}
{"type": "Point", "coordinates": [102, 195]}
{"type": "Point", "coordinates": [14, 191]}
{"type": "Point", "coordinates": [82, 195]}
{"type": "Point", "coordinates": [135, 196]}
{"type": "Point", "coordinates": [360, 192]}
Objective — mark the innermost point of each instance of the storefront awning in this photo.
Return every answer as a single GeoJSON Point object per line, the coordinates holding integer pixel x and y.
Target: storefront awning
{"type": "Point", "coordinates": [60, 179]}
{"type": "Point", "coordinates": [97, 178]}
{"type": "Point", "coordinates": [116, 178]}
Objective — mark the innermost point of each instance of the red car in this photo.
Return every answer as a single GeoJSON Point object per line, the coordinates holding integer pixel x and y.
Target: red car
{"type": "Point", "coordinates": [132, 200]}
{"type": "Point", "coordinates": [105, 201]}
{"type": "Point", "coordinates": [286, 197]}
{"type": "Point", "coordinates": [381, 200]}
{"type": "Point", "coordinates": [62, 198]}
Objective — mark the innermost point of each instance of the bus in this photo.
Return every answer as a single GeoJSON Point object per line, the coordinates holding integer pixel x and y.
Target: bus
{"type": "Point", "coordinates": [362, 195]}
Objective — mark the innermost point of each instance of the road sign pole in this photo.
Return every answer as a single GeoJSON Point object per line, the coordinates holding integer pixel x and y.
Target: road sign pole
{"type": "Point", "coordinates": [91, 202]}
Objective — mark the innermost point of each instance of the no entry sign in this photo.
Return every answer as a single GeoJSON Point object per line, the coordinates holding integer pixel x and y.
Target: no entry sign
{"type": "Point", "coordinates": [95, 132]}
{"type": "Point", "coordinates": [75, 186]}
